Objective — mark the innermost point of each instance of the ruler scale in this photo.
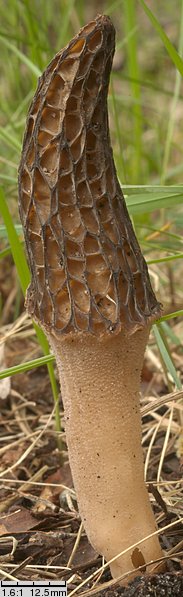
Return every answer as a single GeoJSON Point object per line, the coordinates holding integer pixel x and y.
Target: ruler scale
{"type": "Point", "coordinates": [33, 588]}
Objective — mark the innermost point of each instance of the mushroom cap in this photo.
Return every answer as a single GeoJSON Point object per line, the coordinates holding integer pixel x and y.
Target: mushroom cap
{"type": "Point", "coordinates": [88, 273]}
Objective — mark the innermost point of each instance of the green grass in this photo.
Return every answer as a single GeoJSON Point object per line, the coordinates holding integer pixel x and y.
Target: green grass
{"type": "Point", "coordinates": [131, 24]}
{"type": "Point", "coordinates": [145, 104]}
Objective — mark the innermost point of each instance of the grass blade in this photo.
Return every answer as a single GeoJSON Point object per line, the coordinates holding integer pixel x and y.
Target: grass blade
{"type": "Point", "coordinates": [148, 202]}
{"type": "Point", "coordinates": [171, 119]}
{"type": "Point", "coordinates": [171, 315]}
{"type": "Point", "coordinates": [32, 67]}
{"type": "Point", "coordinates": [9, 139]}
{"type": "Point", "coordinates": [21, 368]}
{"type": "Point", "coordinates": [118, 135]}
{"type": "Point", "coordinates": [16, 247]}
{"type": "Point", "coordinates": [133, 70]}
{"type": "Point", "coordinates": [7, 178]}
{"type": "Point", "coordinates": [176, 59]}
{"type": "Point", "coordinates": [165, 354]}
{"type": "Point", "coordinates": [164, 259]}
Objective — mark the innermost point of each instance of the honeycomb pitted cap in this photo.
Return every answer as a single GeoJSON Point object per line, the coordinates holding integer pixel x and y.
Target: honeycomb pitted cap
{"type": "Point", "coordinates": [88, 273]}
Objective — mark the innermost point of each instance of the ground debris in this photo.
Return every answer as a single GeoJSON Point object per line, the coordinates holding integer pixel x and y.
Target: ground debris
{"type": "Point", "coordinates": [159, 585]}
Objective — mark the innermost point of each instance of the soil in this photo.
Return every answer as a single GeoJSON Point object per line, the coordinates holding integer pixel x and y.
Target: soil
{"type": "Point", "coordinates": [160, 585]}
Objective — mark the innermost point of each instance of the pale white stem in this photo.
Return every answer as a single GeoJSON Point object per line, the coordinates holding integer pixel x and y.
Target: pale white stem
{"type": "Point", "coordinates": [100, 384]}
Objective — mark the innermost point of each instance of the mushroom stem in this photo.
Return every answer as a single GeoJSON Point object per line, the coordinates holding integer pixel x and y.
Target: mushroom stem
{"type": "Point", "coordinates": [100, 383]}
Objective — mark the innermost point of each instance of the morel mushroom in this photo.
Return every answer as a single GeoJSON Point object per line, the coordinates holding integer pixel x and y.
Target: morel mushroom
{"type": "Point", "coordinates": [90, 291]}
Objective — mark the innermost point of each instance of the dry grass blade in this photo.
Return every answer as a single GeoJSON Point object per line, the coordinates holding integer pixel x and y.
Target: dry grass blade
{"type": "Point", "coordinates": [160, 401]}
{"type": "Point", "coordinates": [15, 543]}
{"type": "Point", "coordinates": [35, 567]}
{"type": "Point", "coordinates": [11, 329]}
{"type": "Point", "coordinates": [35, 483]}
{"type": "Point", "coordinates": [24, 487]}
{"type": "Point", "coordinates": [75, 545]}
{"type": "Point", "coordinates": [157, 427]}
{"type": "Point", "coordinates": [7, 575]}
{"type": "Point", "coordinates": [165, 443]}
{"type": "Point", "coordinates": [16, 442]}
{"type": "Point", "coordinates": [30, 448]}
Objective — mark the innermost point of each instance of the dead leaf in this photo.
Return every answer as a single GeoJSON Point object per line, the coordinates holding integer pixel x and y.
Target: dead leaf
{"type": "Point", "coordinates": [62, 476]}
{"type": "Point", "coordinates": [11, 455]}
{"type": "Point", "coordinates": [17, 522]}
{"type": "Point", "coordinates": [3, 530]}
{"type": "Point", "coordinates": [137, 559]}
{"type": "Point", "coordinates": [84, 553]}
